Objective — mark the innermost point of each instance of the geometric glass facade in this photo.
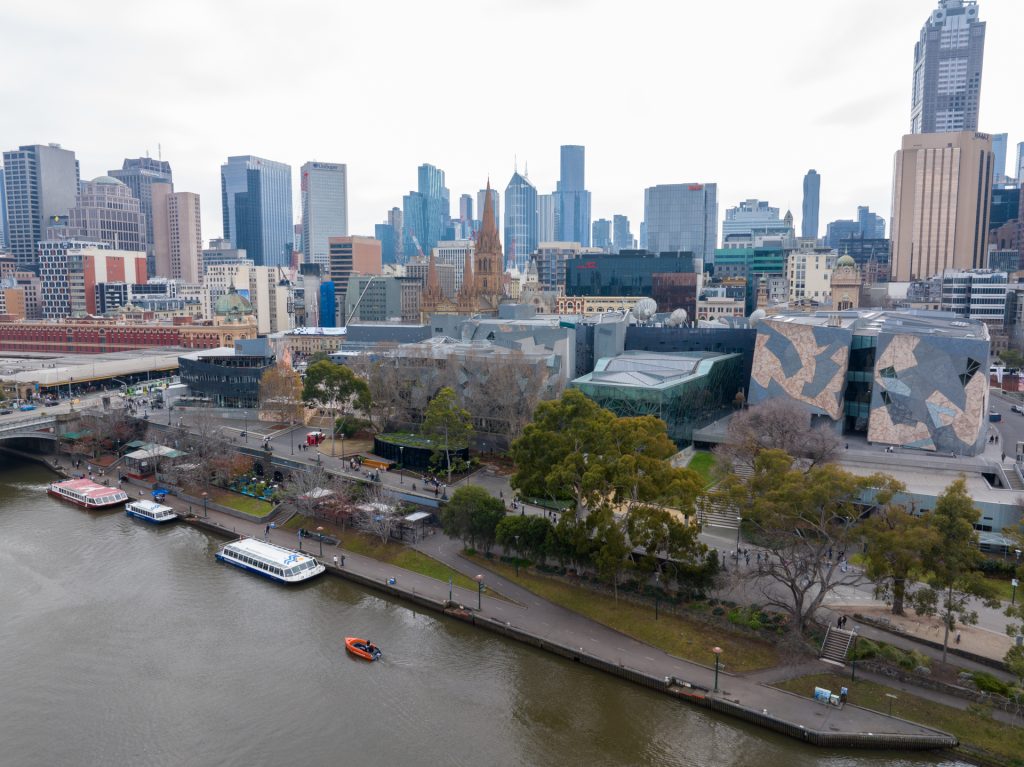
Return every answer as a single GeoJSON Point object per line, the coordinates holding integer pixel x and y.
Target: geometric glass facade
{"type": "Point", "coordinates": [520, 221]}
{"type": "Point", "coordinates": [324, 208]}
{"type": "Point", "coordinates": [682, 217]}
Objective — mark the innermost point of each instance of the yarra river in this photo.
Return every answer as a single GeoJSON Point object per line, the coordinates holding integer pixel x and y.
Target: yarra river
{"type": "Point", "coordinates": [126, 644]}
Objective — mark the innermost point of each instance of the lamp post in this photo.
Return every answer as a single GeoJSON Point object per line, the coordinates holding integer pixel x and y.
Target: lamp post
{"type": "Point", "coordinates": [291, 437]}
{"type": "Point", "coordinates": [204, 505]}
{"type": "Point", "coordinates": [320, 531]}
{"type": "Point", "coordinates": [718, 654]}
{"type": "Point", "coordinates": [517, 556]}
{"type": "Point", "coordinates": [401, 464]}
{"type": "Point", "coordinates": [479, 591]}
{"type": "Point", "coordinates": [245, 431]}
{"type": "Point", "coordinates": [343, 446]}
{"type": "Point", "coordinates": [739, 522]}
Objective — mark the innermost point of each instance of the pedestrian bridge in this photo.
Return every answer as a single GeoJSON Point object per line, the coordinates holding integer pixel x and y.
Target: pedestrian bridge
{"type": "Point", "coordinates": [38, 427]}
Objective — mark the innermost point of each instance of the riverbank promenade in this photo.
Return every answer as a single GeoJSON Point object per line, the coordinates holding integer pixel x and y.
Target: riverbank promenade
{"type": "Point", "coordinates": [525, 616]}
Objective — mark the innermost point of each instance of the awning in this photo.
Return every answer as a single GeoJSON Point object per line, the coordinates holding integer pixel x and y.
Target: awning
{"type": "Point", "coordinates": [416, 516]}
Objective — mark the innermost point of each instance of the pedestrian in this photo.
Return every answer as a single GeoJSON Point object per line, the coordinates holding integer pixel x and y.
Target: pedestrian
{"type": "Point", "coordinates": [747, 555]}
{"type": "Point", "coordinates": [266, 533]}
{"type": "Point", "coordinates": [335, 561]}
{"type": "Point", "coordinates": [1004, 456]}
{"type": "Point", "coordinates": [847, 445]}
{"type": "Point", "coordinates": [958, 637]}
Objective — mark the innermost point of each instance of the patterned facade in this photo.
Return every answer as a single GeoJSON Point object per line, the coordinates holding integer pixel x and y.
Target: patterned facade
{"type": "Point", "coordinates": [911, 379]}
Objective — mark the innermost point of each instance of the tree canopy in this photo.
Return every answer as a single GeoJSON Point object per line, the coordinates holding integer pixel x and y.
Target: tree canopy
{"type": "Point", "coordinates": [334, 387]}
{"type": "Point", "coordinates": [448, 424]}
{"type": "Point", "coordinates": [281, 393]}
{"type": "Point", "coordinates": [473, 515]}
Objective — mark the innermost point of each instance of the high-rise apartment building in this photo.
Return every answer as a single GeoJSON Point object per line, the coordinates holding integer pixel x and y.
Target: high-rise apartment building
{"type": "Point", "coordinates": [41, 182]}
{"type": "Point", "coordinates": [54, 273]}
{"type": "Point", "coordinates": [107, 211]}
{"type": "Point", "coordinates": [256, 200]}
{"type": "Point", "coordinates": [942, 192]}
{"type": "Point", "coordinates": [622, 237]}
{"type": "Point", "coordinates": [139, 174]}
{"type": "Point", "coordinates": [812, 204]}
{"type": "Point", "coordinates": [520, 221]}
{"type": "Point", "coordinates": [324, 208]}
{"type": "Point", "coordinates": [682, 217]}
{"type": "Point", "coordinates": [946, 90]}
{"type": "Point", "coordinates": [601, 234]}
{"type": "Point", "coordinates": [572, 200]}
{"type": "Point", "coordinates": [348, 256]}
{"type": "Point", "coordinates": [177, 234]}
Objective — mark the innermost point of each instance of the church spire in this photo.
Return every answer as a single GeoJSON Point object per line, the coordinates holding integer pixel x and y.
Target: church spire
{"type": "Point", "coordinates": [487, 240]}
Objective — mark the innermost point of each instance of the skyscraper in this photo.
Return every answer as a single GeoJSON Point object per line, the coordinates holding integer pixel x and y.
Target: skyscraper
{"type": "Point", "coordinates": [390, 235]}
{"type": "Point", "coordinates": [324, 208]}
{"type": "Point", "coordinates": [751, 218]}
{"type": "Point", "coordinates": [256, 200]}
{"type": "Point", "coordinates": [177, 234]}
{"type": "Point", "coordinates": [601, 234]}
{"type": "Point", "coordinates": [520, 221]}
{"type": "Point", "coordinates": [139, 174]}
{"type": "Point", "coordinates": [942, 192]}
{"type": "Point", "coordinates": [812, 203]}
{"type": "Point", "coordinates": [622, 238]}
{"type": "Point", "coordinates": [41, 182]}
{"type": "Point", "coordinates": [3, 211]}
{"type": "Point", "coordinates": [426, 211]}
{"type": "Point", "coordinates": [107, 211]}
{"type": "Point", "coordinates": [546, 217]}
{"type": "Point", "coordinates": [870, 225]}
{"type": "Point", "coordinates": [466, 207]}
{"type": "Point", "coordinates": [999, 142]}
{"type": "Point", "coordinates": [946, 90]}
{"type": "Point", "coordinates": [682, 217]}
{"type": "Point", "coordinates": [572, 200]}
{"type": "Point", "coordinates": [1020, 163]}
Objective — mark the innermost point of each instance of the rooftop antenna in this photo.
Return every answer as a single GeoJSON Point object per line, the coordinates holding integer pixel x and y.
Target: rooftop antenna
{"type": "Point", "coordinates": [159, 152]}
{"type": "Point", "coordinates": [515, 163]}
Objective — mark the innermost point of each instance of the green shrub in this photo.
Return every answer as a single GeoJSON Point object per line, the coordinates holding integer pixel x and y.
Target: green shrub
{"type": "Point", "coordinates": [719, 611]}
{"type": "Point", "coordinates": [863, 649]}
{"type": "Point", "coordinates": [989, 683]}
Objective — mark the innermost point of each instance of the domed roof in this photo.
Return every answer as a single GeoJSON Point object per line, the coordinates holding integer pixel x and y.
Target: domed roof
{"type": "Point", "coordinates": [109, 180]}
{"type": "Point", "coordinates": [231, 303]}
{"type": "Point", "coordinates": [846, 261]}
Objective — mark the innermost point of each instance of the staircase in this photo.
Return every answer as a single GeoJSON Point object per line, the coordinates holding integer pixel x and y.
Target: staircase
{"type": "Point", "coordinates": [1013, 477]}
{"type": "Point", "coordinates": [837, 643]}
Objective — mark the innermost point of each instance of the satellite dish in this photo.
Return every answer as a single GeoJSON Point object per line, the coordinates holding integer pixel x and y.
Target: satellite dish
{"type": "Point", "coordinates": [645, 309]}
{"type": "Point", "coordinates": [677, 318]}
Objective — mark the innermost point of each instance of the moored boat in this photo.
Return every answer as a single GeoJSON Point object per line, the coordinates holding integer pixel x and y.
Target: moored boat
{"type": "Point", "coordinates": [149, 511]}
{"type": "Point", "coordinates": [362, 648]}
{"type": "Point", "coordinates": [87, 493]}
{"type": "Point", "coordinates": [270, 561]}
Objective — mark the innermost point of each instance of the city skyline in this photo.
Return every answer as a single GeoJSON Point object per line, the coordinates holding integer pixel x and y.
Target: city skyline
{"type": "Point", "coordinates": [846, 132]}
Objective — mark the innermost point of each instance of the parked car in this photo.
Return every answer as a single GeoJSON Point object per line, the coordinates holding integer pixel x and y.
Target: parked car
{"type": "Point", "coordinates": [25, 408]}
{"type": "Point", "coordinates": [6, 411]}
{"type": "Point", "coordinates": [1017, 409]}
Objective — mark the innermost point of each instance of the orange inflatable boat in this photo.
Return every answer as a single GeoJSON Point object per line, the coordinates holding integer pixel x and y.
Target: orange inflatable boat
{"type": "Point", "coordinates": [362, 648]}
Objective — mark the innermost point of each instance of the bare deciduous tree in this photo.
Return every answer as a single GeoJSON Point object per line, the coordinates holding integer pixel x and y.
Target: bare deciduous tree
{"type": "Point", "coordinates": [777, 424]}
{"type": "Point", "coordinates": [281, 394]}
{"type": "Point", "coordinates": [379, 513]}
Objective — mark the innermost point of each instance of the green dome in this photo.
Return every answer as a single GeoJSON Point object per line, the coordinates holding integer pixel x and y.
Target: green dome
{"type": "Point", "coordinates": [110, 181]}
{"type": "Point", "coordinates": [846, 261]}
{"type": "Point", "coordinates": [231, 303]}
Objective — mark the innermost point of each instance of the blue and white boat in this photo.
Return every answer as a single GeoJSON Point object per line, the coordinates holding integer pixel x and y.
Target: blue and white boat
{"type": "Point", "coordinates": [270, 561]}
{"type": "Point", "coordinates": [149, 511]}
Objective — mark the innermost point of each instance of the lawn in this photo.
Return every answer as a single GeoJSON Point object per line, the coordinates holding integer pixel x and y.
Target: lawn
{"type": "Point", "coordinates": [678, 636]}
{"type": "Point", "coordinates": [1005, 589]}
{"type": "Point", "coordinates": [703, 463]}
{"type": "Point", "coordinates": [973, 729]}
{"type": "Point", "coordinates": [396, 554]}
{"type": "Point", "coordinates": [243, 503]}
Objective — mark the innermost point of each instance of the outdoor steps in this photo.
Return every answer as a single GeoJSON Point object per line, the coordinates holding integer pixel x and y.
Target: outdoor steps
{"type": "Point", "coordinates": [1013, 477]}
{"type": "Point", "coordinates": [712, 513]}
{"type": "Point", "coordinates": [836, 644]}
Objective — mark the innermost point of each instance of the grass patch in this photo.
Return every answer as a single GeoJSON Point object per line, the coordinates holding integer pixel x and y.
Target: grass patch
{"type": "Point", "coordinates": [673, 634]}
{"type": "Point", "coordinates": [1004, 589]}
{"type": "Point", "coordinates": [703, 463]}
{"type": "Point", "coordinates": [396, 554]}
{"type": "Point", "coordinates": [972, 727]}
{"type": "Point", "coordinates": [243, 503]}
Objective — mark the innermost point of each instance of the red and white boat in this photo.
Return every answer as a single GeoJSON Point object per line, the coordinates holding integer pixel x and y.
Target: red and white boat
{"type": "Point", "coordinates": [87, 493]}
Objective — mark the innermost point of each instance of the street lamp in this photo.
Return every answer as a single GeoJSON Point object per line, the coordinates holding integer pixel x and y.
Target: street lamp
{"type": "Point", "coordinates": [739, 522]}
{"type": "Point", "coordinates": [517, 556]}
{"type": "Point", "coordinates": [291, 437]}
{"type": "Point", "coordinates": [718, 654]}
{"type": "Point", "coordinates": [479, 591]}
{"type": "Point", "coordinates": [204, 505]}
{"type": "Point", "coordinates": [343, 446]}
{"type": "Point", "coordinates": [401, 464]}
{"type": "Point", "coordinates": [245, 431]}
{"type": "Point", "coordinates": [320, 530]}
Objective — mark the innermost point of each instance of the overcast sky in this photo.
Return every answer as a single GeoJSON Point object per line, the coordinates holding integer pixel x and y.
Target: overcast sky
{"type": "Point", "coordinates": [745, 93]}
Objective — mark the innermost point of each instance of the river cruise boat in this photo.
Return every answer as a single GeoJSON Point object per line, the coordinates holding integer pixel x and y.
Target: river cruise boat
{"type": "Point", "coordinates": [149, 511]}
{"type": "Point", "coordinates": [88, 494]}
{"type": "Point", "coordinates": [270, 561]}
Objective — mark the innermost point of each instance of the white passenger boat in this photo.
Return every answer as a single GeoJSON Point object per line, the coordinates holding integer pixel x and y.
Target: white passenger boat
{"type": "Point", "coordinates": [266, 559]}
{"type": "Point", "coordinates": [150, 511]}
{"type": "Point", "coordinates": [87, 493]}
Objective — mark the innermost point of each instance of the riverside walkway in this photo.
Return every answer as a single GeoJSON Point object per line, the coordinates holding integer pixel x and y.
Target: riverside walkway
{"type": "Point", "coordinates": [543, 624]}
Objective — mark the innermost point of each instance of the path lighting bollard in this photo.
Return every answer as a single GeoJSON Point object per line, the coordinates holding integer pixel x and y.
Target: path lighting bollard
{"type": "Point", "coordinates": [479, 591]}
{"type": "Point", "coordinates": [204, 506]}
{"type": "Point", "coordinates": [320, 530]}
{"type": "Point", "coordinates": [718, 654]}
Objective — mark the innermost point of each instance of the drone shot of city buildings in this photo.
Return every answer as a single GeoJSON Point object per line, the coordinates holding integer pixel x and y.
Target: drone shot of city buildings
{"type": "Point", "coordinates": [625, 384]}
